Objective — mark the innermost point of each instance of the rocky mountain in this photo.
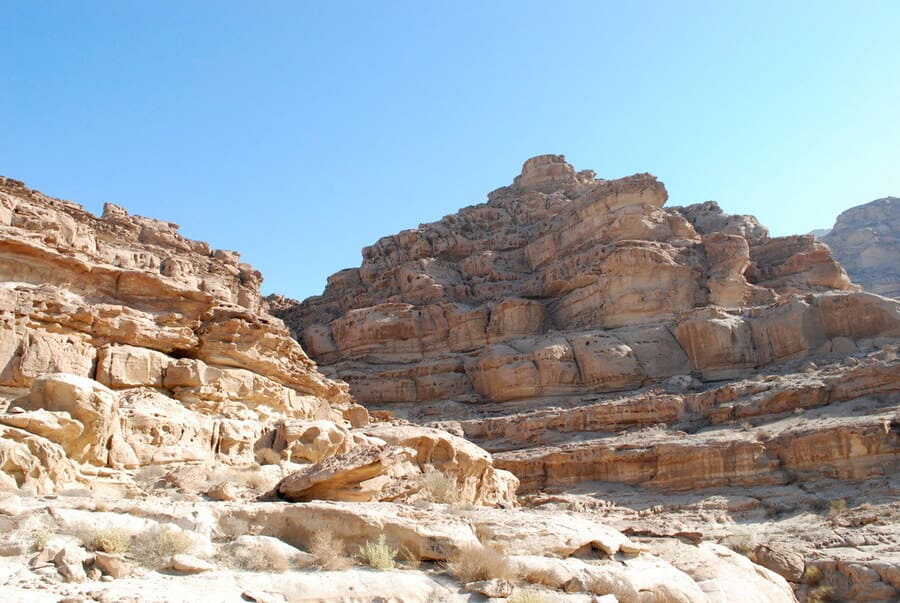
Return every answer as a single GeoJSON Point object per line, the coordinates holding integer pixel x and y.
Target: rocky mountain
{"type": "Point", "coordinates": [866, 240]}
{"type": "Point", "coordinates": [163, 438]}
{"type": "Point", "coordinates": [569, 393]}
{"type": "Point", "coordinates": [669, 370]}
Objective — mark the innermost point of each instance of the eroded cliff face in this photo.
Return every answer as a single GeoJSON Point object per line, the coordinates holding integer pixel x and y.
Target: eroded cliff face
{"type": "Point", "coordinates": [125, 345]}
{"type": "Point", "coordinates": [591, 338]}
{"type": "Point", "coordinates": [866, 240]}
{"type": "Point", "coordinates": [566, 285]}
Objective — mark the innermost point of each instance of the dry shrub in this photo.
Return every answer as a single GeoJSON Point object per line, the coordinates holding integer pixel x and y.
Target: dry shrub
{"type": "Point", "coordinates": [410, 558]}
{"type": "Point", "coordinates": [441, 488]}
{"type": "Point", "coordinates": [836, 506]}
{"type": "Point", "coordinates": [329, 551]}
{"type": "Point", "coordinates": [155, 546]}
{"type": "Point", "coordinates": [812, 575]}
{"type": "Point", "coordinates": [542, 576]}
{"type": "Point", "coordinates": [111, 540]}
{"type": "Point", "coordinates": [39, 537]}
{"type": "Point", "coordinates": [378, 554]}
{"type": "Point", "coordinates": [820, 594]}
{"type": "Point", "coordinates": [262, 558]}
{"type": "Point", "coordinates": [480, 563]}
{"type": "Point", "coordinates": [740, 543]}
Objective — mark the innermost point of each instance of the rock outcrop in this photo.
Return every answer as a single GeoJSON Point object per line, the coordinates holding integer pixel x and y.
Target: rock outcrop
{"type": "Point", "coordinates": [590, 337]}
{"type": "Point", "coordinates": [125, 345]}
{"type": "Point", "coordinates": [866, 240]}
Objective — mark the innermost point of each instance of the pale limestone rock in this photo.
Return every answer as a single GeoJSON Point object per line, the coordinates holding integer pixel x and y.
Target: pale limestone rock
{"type": "Point", "coordinates": [123, 366]}
{"type": "Point", "coordinates": [470, 467]}
{"type": "Point", "coordinates": [89, 403]}
{"type": "Point", "coordinates": [785, 563]}
{"type": "Point", "coordinates": [32, 462]}
{"type": "Point", "coordinates": [496, 587]}
{"type": "Point", "coordinates": [369, 472]}
{"type": "Point", "coordinates": [188, 564]}
{"type": "Point", "coordinates": [112, 565]}
{"type": "Point", "coordinates": [311, 441]}
{"type": "Point", "coordinates": [69, 561]}
{"type": "Point", "coordinates": [866, 241]}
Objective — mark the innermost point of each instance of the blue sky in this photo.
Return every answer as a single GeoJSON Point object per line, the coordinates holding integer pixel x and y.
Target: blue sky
{"type": "Point", "coordinates": [298, 132]}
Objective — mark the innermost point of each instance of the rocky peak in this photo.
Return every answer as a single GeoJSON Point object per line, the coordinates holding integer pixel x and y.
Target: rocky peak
{"type": "Point", "coordinates": [549, 173]}
{"type": "Point", "coordinates": [866, 240]}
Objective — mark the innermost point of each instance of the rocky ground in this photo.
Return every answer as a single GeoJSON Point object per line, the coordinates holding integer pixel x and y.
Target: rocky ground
{"type": "Point", "coordinates": [569, 393]}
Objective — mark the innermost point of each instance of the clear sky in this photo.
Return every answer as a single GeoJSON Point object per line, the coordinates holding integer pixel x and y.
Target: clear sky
{"type": "Point", "coordinates": [298, 132]}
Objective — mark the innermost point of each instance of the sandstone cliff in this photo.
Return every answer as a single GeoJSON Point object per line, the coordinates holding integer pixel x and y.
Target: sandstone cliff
{"type": "Point", "coordinates": [866, 240]}
{"type": "Point", "coordinates": [125, 345]}
{"type": "Point", "coordinates": [590, 337]}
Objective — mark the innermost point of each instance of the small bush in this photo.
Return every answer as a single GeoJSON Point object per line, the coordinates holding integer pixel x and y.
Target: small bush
{"type": "Point", "coordinates": [836, 506]}
{"type": "Point", "coordinates": [262, 558]}
{"type": "Point", "coordinates": [820, 594]}
{"type": "Point", "coordinates": [328, 551]}
{"type": "Point", "coordinates": [441, 488]}
{"type": "Point", "coordinates": [155, 546]}
{"type": "Point", "coordinates": [378, 555]}
{"type": "Point", "coordinates": [812, 575]}
{"type": "Point", "coordinates": [111, 540]}
{"type": "Point", "coordinates": [480, 563]}
{"type": "Point", "coordinates": [740, 543]}
{"type": "Point", "coordinates": [39, 538]}
{"type": "Point", "coordinates": [411, 559]}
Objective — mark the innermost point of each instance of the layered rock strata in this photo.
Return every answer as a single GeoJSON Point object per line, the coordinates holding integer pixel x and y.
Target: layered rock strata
{"type": "Point", "coordinates": [866, 240]}
{"type": "Point", "coordinates": [564, 285]}
{"type": "Point", "coordinates": [125, 345]}
{"type": "Point", "coordinates": [588, 336]}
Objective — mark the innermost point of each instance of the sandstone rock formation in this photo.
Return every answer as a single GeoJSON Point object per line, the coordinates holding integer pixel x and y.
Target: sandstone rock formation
{"type": "Point", "coordinates": [125, 345]}
{"type": "Point", "coordinates": [590, 337]}
{"type": "Point", "coordinates": [866, 240]}
{"type": "Point", "coordinates": [668, 386]}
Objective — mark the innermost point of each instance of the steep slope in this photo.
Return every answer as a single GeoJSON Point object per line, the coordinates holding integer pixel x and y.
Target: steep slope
{"type": "Point", "coordinates": [866, 240]}
{"type": "Point", "coordinates": [592, 338]}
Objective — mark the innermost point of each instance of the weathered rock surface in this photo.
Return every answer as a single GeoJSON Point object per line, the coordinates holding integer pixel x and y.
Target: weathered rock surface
{"type": "Point", "coordinates": [124, 345]}
{"type": "Point", "coordinates": [584, 333]}
{"type": "Point", "coordinates": [866, 240]}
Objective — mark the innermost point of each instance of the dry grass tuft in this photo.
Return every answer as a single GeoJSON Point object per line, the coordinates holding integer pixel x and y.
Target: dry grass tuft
{"type": "Point", "coordinates": [480, 563]}
{"type": "Point", "coordinates": [410, 559]}
{"type": "Point", "coordinates": [378, 554]}
{"type": "Point", "coordinates": [441, 488]}
{"type": "Point", "coordinates": [262, 558]}
{"type": "Point", "coordinates": [111, 540]}
{"type": "Point", "coordinates": [820, 594]}
{"type": "Point", "coordinates": [812, 575]}
{"type": "Point", "coordinates": [39, 537]}
{"type": "Point", "coordinates": [155, 546]}
{"type": "Point", "coordinates": [740, 543]}
{"type": "Point", "coordinates": [837, 506]}
{"type": "Point", "coordinates": [329, 551]}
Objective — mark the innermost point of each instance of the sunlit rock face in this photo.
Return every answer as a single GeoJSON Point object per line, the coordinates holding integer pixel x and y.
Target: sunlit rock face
{"type": "Point", "coordinates": [613, 352]}
{"type": "Point", "coordinates": [563, 284]}
{"type": "Point", "coordinates": [125, 345]}
{"type": "Point", "coordinates": [866, 240]}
